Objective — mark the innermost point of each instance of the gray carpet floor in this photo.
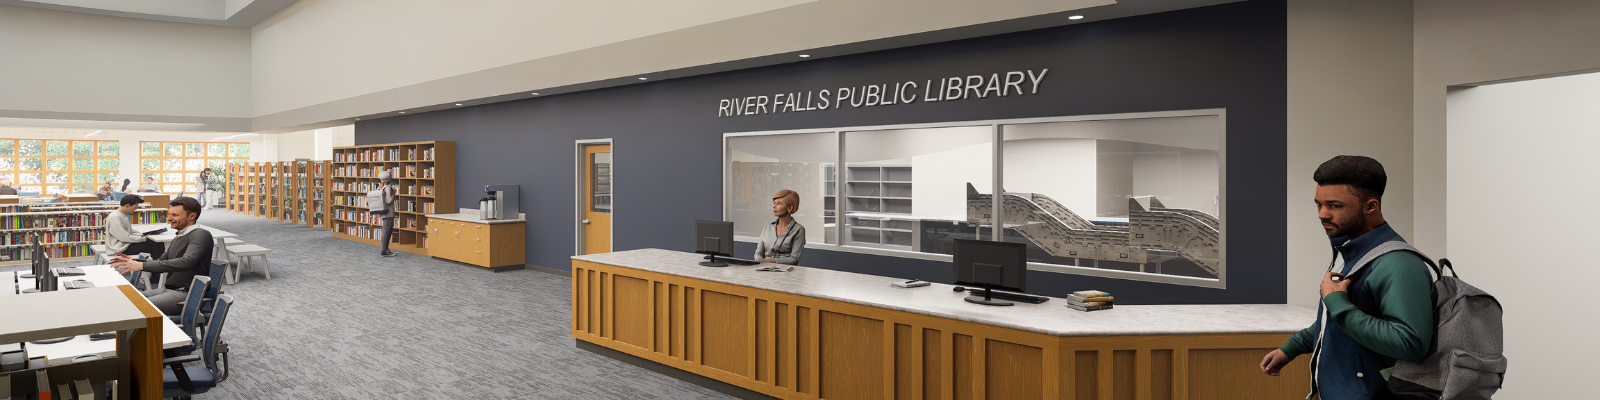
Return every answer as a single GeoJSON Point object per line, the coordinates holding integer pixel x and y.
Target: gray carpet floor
{"type": "Point", "coordinates": [338, 322]}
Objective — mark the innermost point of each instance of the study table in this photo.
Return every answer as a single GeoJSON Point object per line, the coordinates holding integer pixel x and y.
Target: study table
{"type": "Point", "coordinates": [101, 276]}
{"type": "Point", "coordinates": [815, 333]}
{"type": "Point", "coordinates": [112, 305]}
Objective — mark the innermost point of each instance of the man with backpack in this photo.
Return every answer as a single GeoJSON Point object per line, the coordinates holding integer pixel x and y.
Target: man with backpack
{"type": "Point", "coordinates": [1373, 312]}
{"type": "Point", "coordinates": [387, 193]}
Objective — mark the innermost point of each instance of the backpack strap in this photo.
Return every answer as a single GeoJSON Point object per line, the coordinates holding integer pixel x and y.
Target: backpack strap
{"type": "Point", "coordinates": [1390, 247]}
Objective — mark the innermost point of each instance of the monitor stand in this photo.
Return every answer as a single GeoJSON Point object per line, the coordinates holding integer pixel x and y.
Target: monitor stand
{"type": "Point", "coordinates": [713, 262]}
{"type": "Point", "coordinates": [987, 298]}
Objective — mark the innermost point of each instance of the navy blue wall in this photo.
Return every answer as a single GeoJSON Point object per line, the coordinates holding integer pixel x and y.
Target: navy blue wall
{"type": "Point", "coordinates": [668, 147]}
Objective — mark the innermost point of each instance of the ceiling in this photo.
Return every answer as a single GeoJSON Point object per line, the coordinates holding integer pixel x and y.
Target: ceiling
{"type": "Point", "coordinates": [234, 13]}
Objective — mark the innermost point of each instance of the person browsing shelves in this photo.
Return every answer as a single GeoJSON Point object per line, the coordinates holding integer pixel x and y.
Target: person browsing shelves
{"type": "Point", "coordinates": [783, 239]}
{"type": "Point", "coordinates": [188, 254]}
{"type": "Point", "coordinates": [120, 236]}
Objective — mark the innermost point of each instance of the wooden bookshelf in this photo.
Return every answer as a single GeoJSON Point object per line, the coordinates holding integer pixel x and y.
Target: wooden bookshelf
{"type": "Point", "coordinates": [318, 194]}
{"type": "Point", "coordinates": [425, 174]}
{"type": "Point", "coordinates": [71, 228]}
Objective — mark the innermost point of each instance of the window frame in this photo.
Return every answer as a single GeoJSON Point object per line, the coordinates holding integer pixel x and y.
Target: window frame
{"type": "Point", "coordinates": [183, 171]}
{"type": "Point", "coordinates": [16, 157]}
{"type": "Point", "coordinates": [997, 144]}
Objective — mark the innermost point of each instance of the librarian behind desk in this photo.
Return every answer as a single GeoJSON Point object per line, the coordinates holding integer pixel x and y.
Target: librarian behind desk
{"type": "Point", "coordinates": [815, 333]}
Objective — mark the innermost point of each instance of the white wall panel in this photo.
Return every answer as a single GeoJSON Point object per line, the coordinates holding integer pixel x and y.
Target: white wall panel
{"type": "Point", "coordinates": [1522, 161]}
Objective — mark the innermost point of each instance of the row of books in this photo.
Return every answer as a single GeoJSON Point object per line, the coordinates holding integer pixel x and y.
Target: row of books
{"type": "Point", "coordinates": [12, 238]}
{"type": "Point", "coordinates": [411, 172]}
{"type": "Point", "coordinates": [418, 190]}
{"type": "Point", "coordinates": [93, 219]}
{"type": "Point", "coordinates": [1090, 300]}
{"type": "Point", "coordinates": [364, 231]}
{"type": "Point", "coordinates": [411, 223]}
{"type": "Point", "coordinates": [425, 207]}
{"type": "Point", "coordinates": [53, 250]}
{"type": "Point", "coordinates": [384, 155]}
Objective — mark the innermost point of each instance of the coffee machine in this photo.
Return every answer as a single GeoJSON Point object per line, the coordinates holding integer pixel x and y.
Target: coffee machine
{"type": "Point", "coordinates": [498, 202]}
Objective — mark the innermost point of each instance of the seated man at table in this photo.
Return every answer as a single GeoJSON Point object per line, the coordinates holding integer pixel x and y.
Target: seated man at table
{"type": "Point", "coordinates": [5, 187]}
{"type": "Point", "coordinates": [120, 236]}
{"type": "Point", "coordinates": [188, 255]}
{"type": "Point", "coordinates": [150, 186]}
{"type": "Point", "coordinates": [104, 193]}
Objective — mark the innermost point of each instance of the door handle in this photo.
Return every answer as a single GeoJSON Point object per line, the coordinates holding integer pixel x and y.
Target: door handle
{"type": "Point", "coordinates": [586, 222]}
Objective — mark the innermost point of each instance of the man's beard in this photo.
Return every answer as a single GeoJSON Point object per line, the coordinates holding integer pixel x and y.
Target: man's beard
{"type": "Point", "coordinates": [1348, 227]}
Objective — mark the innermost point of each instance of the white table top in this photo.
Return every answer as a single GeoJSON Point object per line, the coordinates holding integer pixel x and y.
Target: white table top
{"type": "Point", "coordinates": [38, 316]}
{"type": "Point", "coordinates": [103, 277]}
{"type": "Point", "coordinates": [170, 234]}
{"type": "Point", "coordinates": [1050, 318]}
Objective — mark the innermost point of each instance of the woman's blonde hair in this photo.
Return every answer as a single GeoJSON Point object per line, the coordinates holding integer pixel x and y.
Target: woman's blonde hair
{"type": "Point", "coordinates": [790, 196]}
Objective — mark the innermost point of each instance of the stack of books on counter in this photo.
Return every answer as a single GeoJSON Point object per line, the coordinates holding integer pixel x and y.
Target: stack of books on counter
{"type": "Point", "coordinates": [1089, 300]}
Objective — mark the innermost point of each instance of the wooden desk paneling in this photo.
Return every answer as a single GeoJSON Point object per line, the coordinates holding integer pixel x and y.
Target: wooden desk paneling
{"type": "Point", "coordinates": [800, 347]}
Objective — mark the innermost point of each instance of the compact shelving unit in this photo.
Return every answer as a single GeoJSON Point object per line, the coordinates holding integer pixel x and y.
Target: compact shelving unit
{"type": "Point", "coordinates": [878, 203]}
{"type": "Point", "coordinates": [69, 229]}
{"type": "Point", "coordinates": [425, 174]}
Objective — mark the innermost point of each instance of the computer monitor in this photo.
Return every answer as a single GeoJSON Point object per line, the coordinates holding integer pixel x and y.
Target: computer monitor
{"type": "Point", "coordinates": [714, 238]}
{"type": "Point", "coordinates": [993, 265]}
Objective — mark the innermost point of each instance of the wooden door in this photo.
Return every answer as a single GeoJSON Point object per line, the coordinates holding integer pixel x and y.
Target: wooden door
{"type": "Point", "coordinates": [596, 211]}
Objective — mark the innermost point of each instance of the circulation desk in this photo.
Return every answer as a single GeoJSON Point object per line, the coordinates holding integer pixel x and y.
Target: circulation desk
{"type": "Point", "coordinates": [816, 333]}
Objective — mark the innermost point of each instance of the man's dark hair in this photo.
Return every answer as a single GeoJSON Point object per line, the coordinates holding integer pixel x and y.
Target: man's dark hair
{"type": "Point", "coordinates": [131, 199]}
{"type": "Point", "coordinates": [189, 204]}
{"type": "Point", "coordinates": [1364, 175]}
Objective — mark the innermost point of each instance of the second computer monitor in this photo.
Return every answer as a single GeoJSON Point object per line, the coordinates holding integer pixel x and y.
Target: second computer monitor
{"type": "Point", "coordinates": [993, 265]}
{"type": "Point", "coordinates": [714, 238]}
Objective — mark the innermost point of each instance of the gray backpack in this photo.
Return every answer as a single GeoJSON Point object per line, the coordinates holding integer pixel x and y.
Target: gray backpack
{"type": "Point", "coordinates": [1467, 360]}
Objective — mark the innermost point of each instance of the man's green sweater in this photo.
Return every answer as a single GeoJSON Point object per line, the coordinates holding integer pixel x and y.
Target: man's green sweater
{"type": "Point", "coordinates": [1402, 329]}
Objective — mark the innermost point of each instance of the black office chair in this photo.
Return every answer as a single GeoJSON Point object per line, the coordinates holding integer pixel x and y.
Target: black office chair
{"type": "Point", "coordinates": [178, 381]}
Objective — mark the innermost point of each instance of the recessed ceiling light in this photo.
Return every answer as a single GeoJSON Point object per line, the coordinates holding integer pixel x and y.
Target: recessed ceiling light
{"type": "Point", "coordinates": [535, 93]}
{"type": "Point", "coordinates": [805, 55]}
{"type": "Point", "coordinates": [643, 78]}
{"type": "Point", "coordinates": [358, 118]}
{"type": "Point", "coordinates": [458, 104]}
{"type": "Point", "coordinates": [402, 112]}
{"type": "Point", "coordinates": [1075, 17]}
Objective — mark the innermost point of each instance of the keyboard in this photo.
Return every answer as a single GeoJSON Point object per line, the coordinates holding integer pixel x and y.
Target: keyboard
{"type": "Point", "coordinates": [734, 261]}
{"type": "Point", "coordinates": [1009, 296]}
{"type": "Point", "coordinates": [73, 271]}
{"type": "Point", "coordinates": [79, 284]}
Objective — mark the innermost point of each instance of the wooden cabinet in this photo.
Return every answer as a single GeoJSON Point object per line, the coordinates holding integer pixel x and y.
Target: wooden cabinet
{"type": "Point", "coordinates": [498, 246]}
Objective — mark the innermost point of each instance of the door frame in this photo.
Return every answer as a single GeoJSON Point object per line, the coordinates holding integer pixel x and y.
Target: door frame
{"type": "Point", "coordinates": [579, 165]}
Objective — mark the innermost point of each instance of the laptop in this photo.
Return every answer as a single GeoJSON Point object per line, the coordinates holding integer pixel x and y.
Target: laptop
{"type": "Point", "coordinates": [156, 232]}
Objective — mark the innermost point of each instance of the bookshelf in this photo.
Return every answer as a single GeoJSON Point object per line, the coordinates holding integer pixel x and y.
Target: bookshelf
{"type": "Point", "coordinates": [878, 200]}
{"type": "Point", "coordinates": [318, 194]}
{"type": "Point", "coordinates": [68, 230]}
{"type": "Point", "coordinates": [425, 174]}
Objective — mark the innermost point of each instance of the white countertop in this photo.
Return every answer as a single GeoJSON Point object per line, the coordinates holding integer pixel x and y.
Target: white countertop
{"type": "Point", "coordinates": [472, 216]}
{"type": "Point", "coordinates": [1050, 318]}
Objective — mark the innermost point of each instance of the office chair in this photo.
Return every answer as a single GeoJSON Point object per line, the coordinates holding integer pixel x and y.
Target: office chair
{"type": "Point", "coordinates": [191, 306]}
{"type": "Point", "coordinates": [178, 381]}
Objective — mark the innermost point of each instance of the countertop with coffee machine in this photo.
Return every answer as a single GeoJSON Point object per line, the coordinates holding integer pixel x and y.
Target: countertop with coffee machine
{"type": "Point", "coordinates": [492, 236]}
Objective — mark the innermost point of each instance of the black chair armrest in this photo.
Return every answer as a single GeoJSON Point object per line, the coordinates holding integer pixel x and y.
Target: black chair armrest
{"type": "Point", "coordinates": [180, 360]}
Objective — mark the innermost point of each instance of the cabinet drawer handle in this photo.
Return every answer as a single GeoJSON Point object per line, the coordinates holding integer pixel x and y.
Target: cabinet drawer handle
{"type": "Point", "coordinates": [480, 252]}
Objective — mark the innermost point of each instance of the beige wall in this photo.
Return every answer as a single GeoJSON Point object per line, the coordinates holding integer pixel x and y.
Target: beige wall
{"type": "Point", "coordinates": [328, 60]}
{"type": "Point", "coordinates": [323, 50]}
{"type": "Point", "coordinates": [1349, 79]}
{"type": "Point", "coordinates": [1470, 41]}
{"type": "Point", "coordinates": [67, 65]}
